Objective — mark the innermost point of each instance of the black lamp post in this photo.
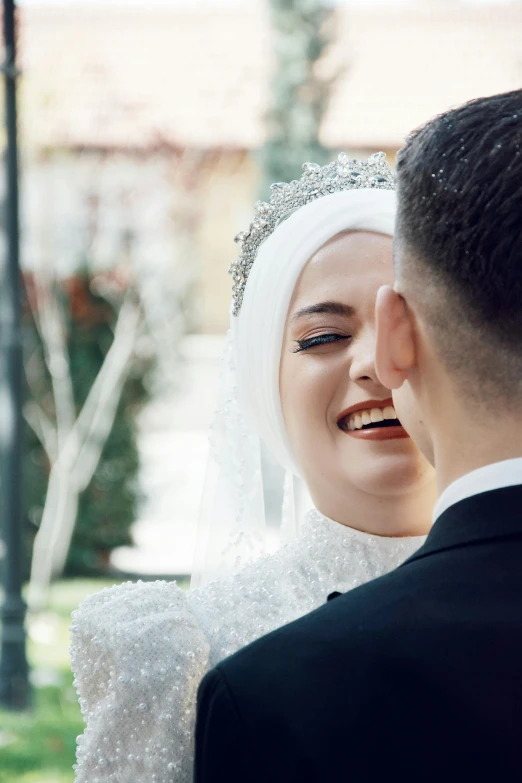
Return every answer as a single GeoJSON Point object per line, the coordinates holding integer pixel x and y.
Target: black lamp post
{"type": "Point", "coordinates": [14, 679]}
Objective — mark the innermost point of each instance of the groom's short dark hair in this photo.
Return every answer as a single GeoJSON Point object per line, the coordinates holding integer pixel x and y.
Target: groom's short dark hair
{"type": "Point", "coordinates": [459, 235]}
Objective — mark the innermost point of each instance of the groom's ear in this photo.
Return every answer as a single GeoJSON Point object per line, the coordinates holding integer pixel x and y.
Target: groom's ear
{"type": "Point", "coordinates": [395, 349]}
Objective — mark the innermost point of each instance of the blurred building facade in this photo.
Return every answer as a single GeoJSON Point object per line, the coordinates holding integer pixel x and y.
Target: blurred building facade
{"type": "Point", "coordinates": [140, 125]}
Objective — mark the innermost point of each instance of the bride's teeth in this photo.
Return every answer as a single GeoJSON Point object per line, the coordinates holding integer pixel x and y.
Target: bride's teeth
{"type": "Point", "coordinates": [376, 415]}
{"type": "Point", "coordinates": [371, 416]}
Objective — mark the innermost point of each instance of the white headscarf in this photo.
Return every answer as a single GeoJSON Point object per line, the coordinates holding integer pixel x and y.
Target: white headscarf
{"type": "Point", "coordinates": [249, 421]}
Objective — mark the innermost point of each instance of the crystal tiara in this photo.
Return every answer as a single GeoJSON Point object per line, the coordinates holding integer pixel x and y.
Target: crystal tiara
{"type": "Point", "coordinates": [316, 181]}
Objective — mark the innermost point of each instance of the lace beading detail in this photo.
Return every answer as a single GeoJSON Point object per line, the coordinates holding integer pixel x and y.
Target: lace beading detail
{"type": "Point", "coordinates": [139, 651]}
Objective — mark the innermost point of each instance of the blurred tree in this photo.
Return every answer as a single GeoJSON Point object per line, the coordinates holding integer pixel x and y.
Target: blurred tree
{"type": "Point", "coordinates": [107, 507]}
{"type": "Point", "coordinates": [301, 29]}
{"type": "Point", "coordinates": [80, 344]}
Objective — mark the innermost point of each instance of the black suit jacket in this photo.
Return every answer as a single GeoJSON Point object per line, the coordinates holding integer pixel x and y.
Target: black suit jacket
{"type": "Point", "coordinates": [416, 676]}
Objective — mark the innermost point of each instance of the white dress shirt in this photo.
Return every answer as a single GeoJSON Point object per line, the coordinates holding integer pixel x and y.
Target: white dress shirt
{"type": "Point", "coordinates": [495, 476]}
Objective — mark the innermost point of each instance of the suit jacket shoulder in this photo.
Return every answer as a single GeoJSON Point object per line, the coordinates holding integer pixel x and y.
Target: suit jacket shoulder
{"type": "Point", "coordinates": [222, 737]}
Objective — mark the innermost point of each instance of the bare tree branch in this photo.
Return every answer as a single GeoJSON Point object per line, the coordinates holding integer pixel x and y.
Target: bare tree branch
{"type": "Point", "coordinates": [42, 428]}
{"type": "Point", "coordinates": [102, 403]}
{"type": "Point", "coordinates": [55, 351]}
{"type": "Point", "coordinates": [60, 510]}
{"type": "Point", "coordinates": [79, 455]}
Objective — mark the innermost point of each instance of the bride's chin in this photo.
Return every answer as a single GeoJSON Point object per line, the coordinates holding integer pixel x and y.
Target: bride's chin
{"type": "Point", "coordinates": [389, 474]}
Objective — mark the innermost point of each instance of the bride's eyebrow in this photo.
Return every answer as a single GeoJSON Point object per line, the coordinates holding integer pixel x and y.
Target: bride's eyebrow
{"type": "Point", "coordinates": [331, 308]}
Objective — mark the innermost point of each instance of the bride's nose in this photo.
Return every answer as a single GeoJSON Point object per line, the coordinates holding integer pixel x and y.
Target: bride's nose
{"type": "Point", "coordinates": [362, 366]}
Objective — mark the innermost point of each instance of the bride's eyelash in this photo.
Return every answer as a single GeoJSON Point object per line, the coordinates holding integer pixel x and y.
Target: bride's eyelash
{"type": "Point", "coordinates": [321, 339]}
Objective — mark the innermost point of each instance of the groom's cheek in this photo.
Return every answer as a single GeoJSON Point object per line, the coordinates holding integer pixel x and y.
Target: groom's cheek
{"type": "Point", "coordinates": [410, 416]}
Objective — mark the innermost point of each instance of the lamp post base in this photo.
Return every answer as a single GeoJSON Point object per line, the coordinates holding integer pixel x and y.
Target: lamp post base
{"type": "Point", "coordinates": [15, 692]}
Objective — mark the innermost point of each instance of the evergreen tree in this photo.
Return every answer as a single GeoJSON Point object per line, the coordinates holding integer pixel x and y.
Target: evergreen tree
{"type": "Point", "coordinates": [301, 32]}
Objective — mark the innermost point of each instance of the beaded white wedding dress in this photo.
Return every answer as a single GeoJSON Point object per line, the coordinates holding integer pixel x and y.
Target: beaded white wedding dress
{"type": "Point", "coordinates": [139, 651]}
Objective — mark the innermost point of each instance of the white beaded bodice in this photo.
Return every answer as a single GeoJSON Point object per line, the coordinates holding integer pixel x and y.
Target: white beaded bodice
{"type": "Point", "coordinates": [139, 651]}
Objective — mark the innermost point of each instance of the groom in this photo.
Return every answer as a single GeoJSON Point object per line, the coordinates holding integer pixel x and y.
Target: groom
{"type": "Point", "coordinates": [417, 676]}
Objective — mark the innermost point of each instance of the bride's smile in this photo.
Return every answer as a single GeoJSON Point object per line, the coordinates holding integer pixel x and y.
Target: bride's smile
{"type": "Point", "coordinates": [371, 420]}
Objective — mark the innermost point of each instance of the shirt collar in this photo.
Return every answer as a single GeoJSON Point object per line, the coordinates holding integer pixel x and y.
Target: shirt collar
{"type": "Point", "coordinates": [498, 475]}
{"type": "Point", "coordinates": [492, 515]}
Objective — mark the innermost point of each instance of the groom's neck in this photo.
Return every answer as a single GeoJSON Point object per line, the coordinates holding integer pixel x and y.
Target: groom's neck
{"type": "Point", "coordinates": [467, 440]}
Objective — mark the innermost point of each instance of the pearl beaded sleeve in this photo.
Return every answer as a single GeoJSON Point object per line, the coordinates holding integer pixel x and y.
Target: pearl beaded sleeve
{"type": "Point", "coordinates": [139, 651]}
{"type": "Point", "coordinates": [138, 656]}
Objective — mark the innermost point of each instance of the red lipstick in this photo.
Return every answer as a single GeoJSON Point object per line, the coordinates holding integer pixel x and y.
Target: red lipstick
{"type": "Point", "coordinates": [379, 433]}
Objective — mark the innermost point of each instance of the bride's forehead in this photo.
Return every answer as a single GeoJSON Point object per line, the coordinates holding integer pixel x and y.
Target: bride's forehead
{"type": "Point", "coordinates": [346, 273]}
{"type": "Point", "coordinates": [357, 255]}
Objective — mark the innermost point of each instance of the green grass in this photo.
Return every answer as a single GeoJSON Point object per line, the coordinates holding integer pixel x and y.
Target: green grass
{"type": "Point", "coordinates": [39, 746]}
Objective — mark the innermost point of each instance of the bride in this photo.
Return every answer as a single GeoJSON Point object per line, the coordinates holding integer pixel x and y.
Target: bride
{"type": "Point", "coordinates": [299, 395]}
